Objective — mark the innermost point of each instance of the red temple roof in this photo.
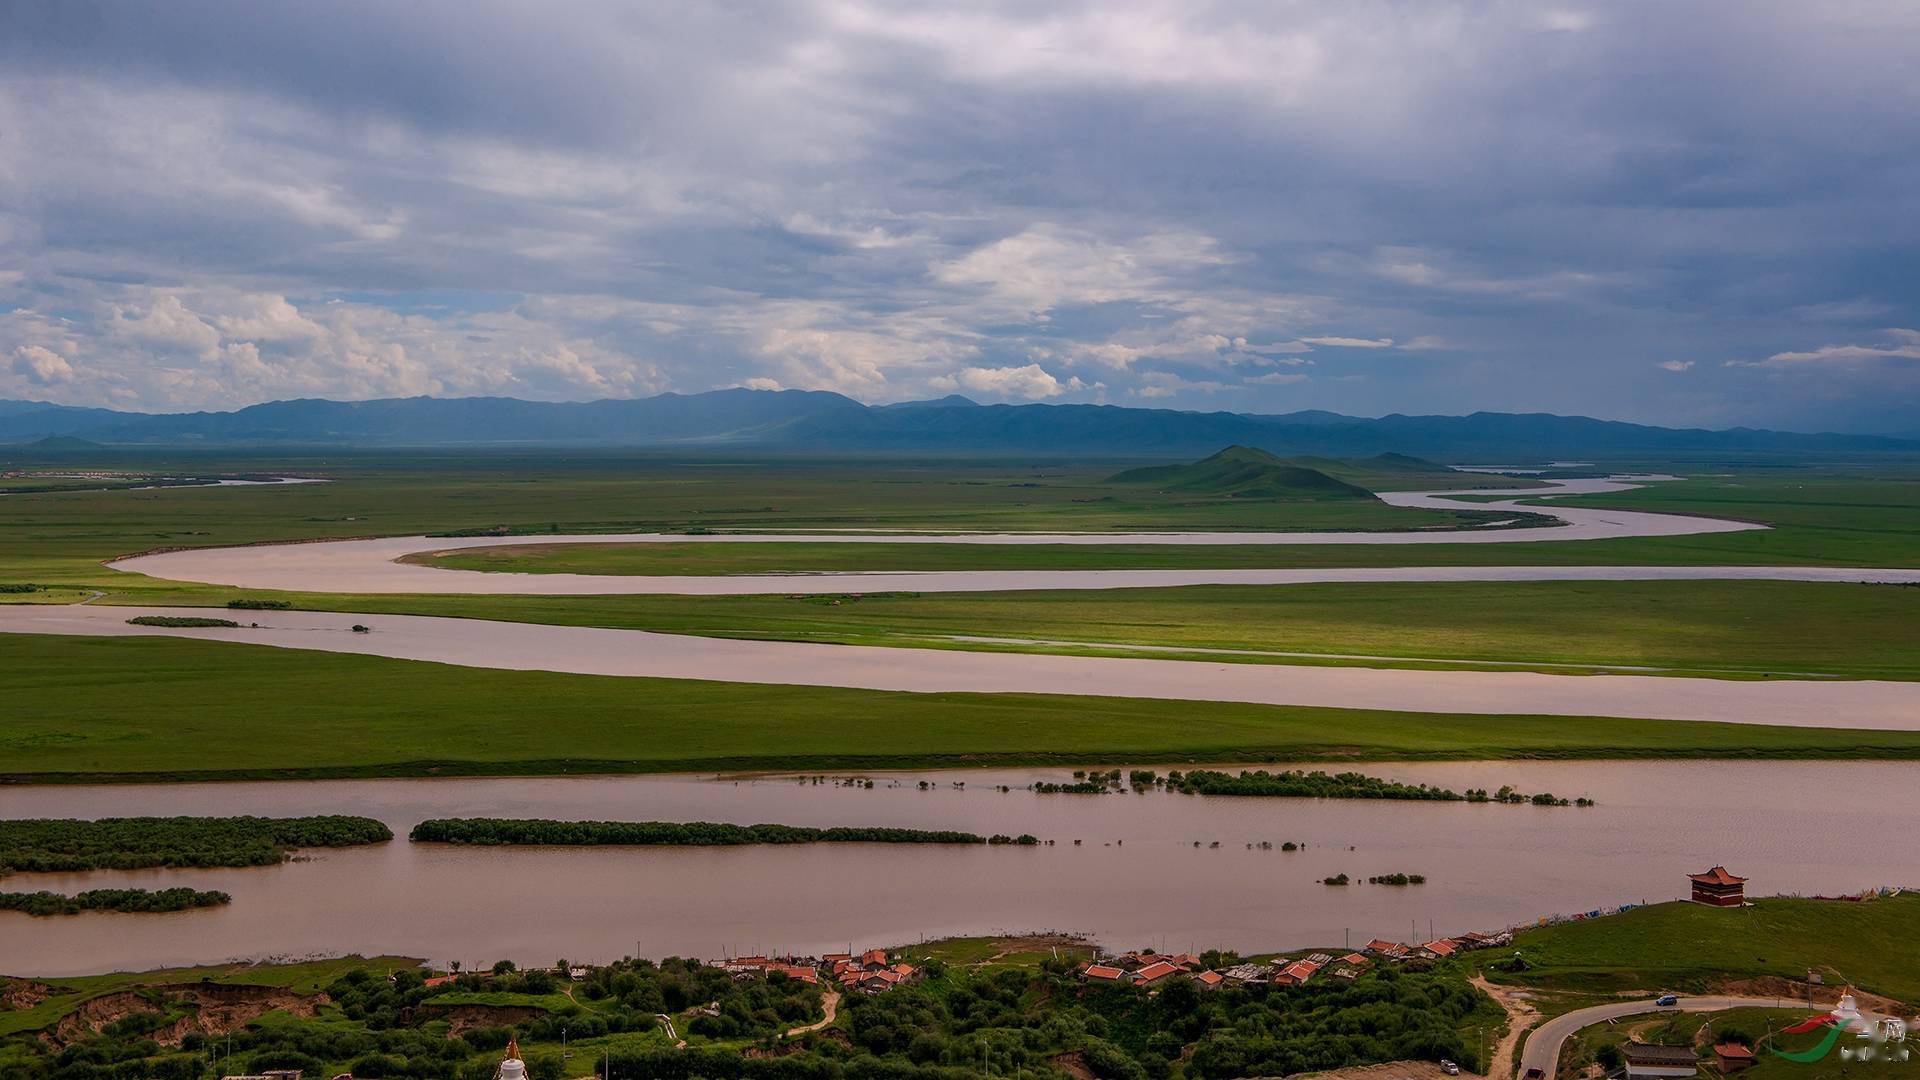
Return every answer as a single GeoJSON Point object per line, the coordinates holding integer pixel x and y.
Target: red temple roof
{"type": "Point", "coordinates": [1717, 876]}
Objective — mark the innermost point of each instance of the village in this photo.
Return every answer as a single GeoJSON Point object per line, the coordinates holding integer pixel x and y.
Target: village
{"type": "Point", "coordinates": [1150, 970]}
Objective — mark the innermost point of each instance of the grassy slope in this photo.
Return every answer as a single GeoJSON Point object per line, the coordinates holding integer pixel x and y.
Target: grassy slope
{"type": "Point", "coordinates": [1683, 946]}
{"type": "Point", "coordinates": [163, 709]}
{"type": "Point", "coordinates": [306, 977]}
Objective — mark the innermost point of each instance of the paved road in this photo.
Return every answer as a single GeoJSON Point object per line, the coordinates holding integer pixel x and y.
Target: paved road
{"type": "Point", "coordinates": [1825, 703]}
{"type": "Point", "coordinates": [1544, 1044]}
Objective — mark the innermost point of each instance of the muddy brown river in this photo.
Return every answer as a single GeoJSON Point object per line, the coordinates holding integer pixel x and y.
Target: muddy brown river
{"type": "Point", "coordinates": [1136, 878]}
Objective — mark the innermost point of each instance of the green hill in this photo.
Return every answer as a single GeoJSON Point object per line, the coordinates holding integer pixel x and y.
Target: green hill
{"type": "Point", "coordinates": [1243, 472]}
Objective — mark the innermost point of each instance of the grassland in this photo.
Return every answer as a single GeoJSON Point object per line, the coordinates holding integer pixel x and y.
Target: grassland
{"type": "Point", "coordinates": [1718, 628]}
{"type": "Point", "coordinates": [167, 709]}
{"type": "Point", "coordinates": [60, 538]}
{"type": "Point", "coordinates": [1690, 948]}
{"type": "Point", "coordinates": [1821, 516]}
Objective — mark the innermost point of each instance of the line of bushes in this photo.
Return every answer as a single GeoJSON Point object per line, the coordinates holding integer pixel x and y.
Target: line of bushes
{"type": "Point", "coordinates": [1294, 783]}
{"type": "Point", "coordinates": [69, 844]}
{"type": "Point", "coordinates": [260, 605]}
{"type": "Point", "coordinates": [131, 900]}
{"type": "Point", "coordinates": [676, 833]}
{"type": "Point", "coordinates": [179, 620]}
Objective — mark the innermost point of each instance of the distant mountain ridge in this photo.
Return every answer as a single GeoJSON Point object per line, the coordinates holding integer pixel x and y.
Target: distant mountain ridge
{"type": "Point", "coordinates": [825, 422]}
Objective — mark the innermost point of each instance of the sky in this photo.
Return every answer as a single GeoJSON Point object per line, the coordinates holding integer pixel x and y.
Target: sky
{"type": "Point", "coordinates": [1695, 214]}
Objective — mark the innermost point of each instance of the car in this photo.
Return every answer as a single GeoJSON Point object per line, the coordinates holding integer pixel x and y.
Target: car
{"type": "Point", "coordinates": [1666, 999]}
{"type": "Point", "coordinates": [1449, 1067]}
{"type": "Point", "coordinates": [1535, 1074]}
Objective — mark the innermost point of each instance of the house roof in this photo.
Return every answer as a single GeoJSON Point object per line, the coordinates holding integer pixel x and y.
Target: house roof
{"type": "Point", "coordinates": [1301, 970]}
{"type": "Point", "coordinates": [1210, 978]}
{"type": "Point", "coordinates": [1656, 1054]}
{"type": "Point", "coordinates": [1733, 1051]}
{"type": "Point", "coordinates": [1442, 947]}
{"type": "Point", "coordinates": [1102, 971]}
{"type": "Point", "coordinates": [1158, 970]}
{"type": "Point", "coordinates": [1355, 959]}
{"type": "Point", "coordinates": [1717, 876]}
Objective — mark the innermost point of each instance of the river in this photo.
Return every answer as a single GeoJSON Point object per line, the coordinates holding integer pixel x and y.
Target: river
{"type": "Point", "coordinates": [372, 566]}
{"type": "Point", "coordinates": [1135, 880]}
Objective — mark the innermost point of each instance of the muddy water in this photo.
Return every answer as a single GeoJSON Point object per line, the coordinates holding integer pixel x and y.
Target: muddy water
{"type": "Point", "coordinates": [1136, 878]}
{"type": "Point", "coordinates": [370, 566]}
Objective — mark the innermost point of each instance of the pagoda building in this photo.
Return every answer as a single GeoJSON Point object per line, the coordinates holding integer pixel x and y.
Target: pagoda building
{"type": "Point", "coordinates": [1717, 888]}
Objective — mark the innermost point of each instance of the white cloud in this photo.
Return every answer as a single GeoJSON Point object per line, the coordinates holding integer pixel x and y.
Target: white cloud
{"type": "Point", "coordinates": [1351, 342]}
{"type": "Point", "coordinates": [1028, 275]}
{"type": "Point", "coordinates": [1166, 384]}
{"type": "Point", "coordinates": [1433, 270]}
{"type": "Point", "coordinates": [1030, 382]}
{"type": "Point", "coordinates": [41, 366]}
{"type": "Point", "coordinates": [1902, 344]}
{"type": "Point", "coordinates": [193, 348]}
{"type": "Point", "coordinates": [1675, 365]}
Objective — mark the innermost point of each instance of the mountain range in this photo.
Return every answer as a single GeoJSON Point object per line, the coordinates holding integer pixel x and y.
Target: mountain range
{"type": "Point", "coordinates": [824, 422]}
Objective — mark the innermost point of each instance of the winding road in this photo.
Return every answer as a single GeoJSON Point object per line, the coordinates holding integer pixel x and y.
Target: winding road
{"type": "Point", "coordinates": [1545, 1043]}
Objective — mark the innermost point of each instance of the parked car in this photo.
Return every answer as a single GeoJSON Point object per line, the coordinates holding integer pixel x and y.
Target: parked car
{"type": "Point", "coordinates": [1666, 999]}
{"type": "Point", "coordinates": [1449, 1067]}
{"type": "Point", "coordinates": [1535, 1074]}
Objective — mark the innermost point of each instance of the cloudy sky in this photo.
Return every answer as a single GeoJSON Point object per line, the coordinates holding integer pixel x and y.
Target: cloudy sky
{"type": "Point", "coordinates": [1679, 213]}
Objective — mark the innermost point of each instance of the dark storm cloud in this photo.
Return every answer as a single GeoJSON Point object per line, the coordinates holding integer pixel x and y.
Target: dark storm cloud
{"type": "Point", "coordinates": [1632, 210]}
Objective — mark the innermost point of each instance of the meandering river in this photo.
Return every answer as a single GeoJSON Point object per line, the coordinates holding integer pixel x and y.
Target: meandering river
{"type": "Point", "coordinates": [1136, 878]}
{"type": "Point", "coordinates": [370, 566]}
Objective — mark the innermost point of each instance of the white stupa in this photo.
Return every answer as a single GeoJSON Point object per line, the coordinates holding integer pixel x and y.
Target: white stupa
{"type": "Point", "coordinates": [512, 1068]}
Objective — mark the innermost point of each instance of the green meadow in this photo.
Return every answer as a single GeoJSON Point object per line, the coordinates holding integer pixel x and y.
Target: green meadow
{"type": "Point", "coordinates": [1690, 948]}
{"type": "Point", "coordinates": [162, 709]}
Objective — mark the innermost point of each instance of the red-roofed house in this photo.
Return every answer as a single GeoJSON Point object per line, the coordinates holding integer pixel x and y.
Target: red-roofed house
{"type": "Point", "coordinates": [1102, 973]}
{"type": "Point", "coordinates": [1389, 949]}
{"type": "Point", "coordinates": [1208, 980]}
{"type": "Point", "coordinates": [1440, 949]}
{"type": "Point", "coordinates": [1295, 974]}
{"type": "Point", "coordinates": [1717, 888]}
{"type": "Point", "coordinates": [1354, 959]}
{"type": "Point", "coordinates": [1732, 1057]}
{"type": "Point", "coordinates": [1154, 973]}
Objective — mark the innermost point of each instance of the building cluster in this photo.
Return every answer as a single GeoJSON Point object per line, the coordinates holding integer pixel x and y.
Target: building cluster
{"type": "Point", "coordinates": [1152, 970]}
{"type": "Point", "coordinates": [870, 972]}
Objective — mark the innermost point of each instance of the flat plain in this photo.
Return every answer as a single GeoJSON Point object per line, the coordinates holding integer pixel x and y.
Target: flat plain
{"type": "Point", "coordinates": [148, 704]}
